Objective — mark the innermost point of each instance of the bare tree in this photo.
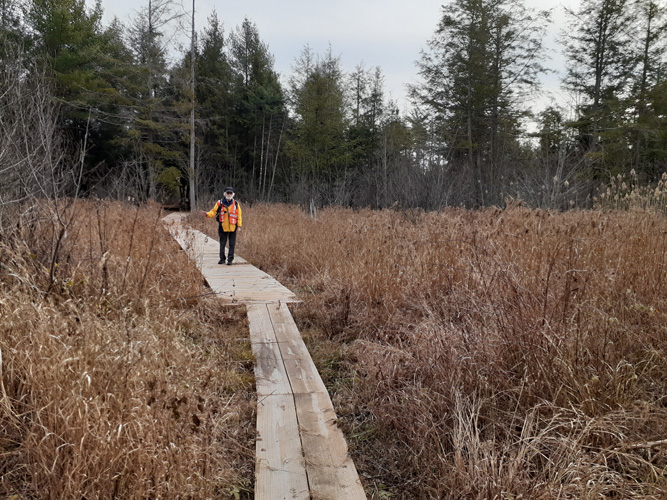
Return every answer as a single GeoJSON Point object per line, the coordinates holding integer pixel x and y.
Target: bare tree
{"type": "Point", "coordinates": [39, 181]}
{"type": "Point", "coordinates": [30, 152]}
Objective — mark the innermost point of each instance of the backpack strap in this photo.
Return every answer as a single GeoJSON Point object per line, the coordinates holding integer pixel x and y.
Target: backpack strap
{"type": "Point", "coordinates": [217, 214]}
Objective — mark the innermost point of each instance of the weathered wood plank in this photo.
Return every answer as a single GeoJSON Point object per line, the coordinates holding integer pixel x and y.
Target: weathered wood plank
{"type": "Point", "coordinates": [331, 471]}
{"type": "Point", "coordinates": [236, 284]}
{"type": "Point", "coordinates": [285, 328]}
{"type": "Point", "coordinates": [300, 452]}
{"type": "Point", "coordinates": [270, 373]}
{"type": "Point", "coordinates": [280, 466]}
{"type": "Point", "coordinates": [301, 370]}
{"type": "Point", "coordinates": [303, 376]}
{"type": "Point", "coordinates": [260, 325]}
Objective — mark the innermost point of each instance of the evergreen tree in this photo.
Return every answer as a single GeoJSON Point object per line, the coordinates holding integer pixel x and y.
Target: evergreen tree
{"type": "Point", "coordinates": [154, 130]}
{"type": "Point", "coordinates": [260, 110]}
{"type": "Point", "coordinates": [12, 36]}
{"type": "Point", "coordinates": [68, 38]}
{"type": "Point", "coordinates": [380, 143]}
{"type": "Point", "coordinates": [598, 49]}
{"type": "Point", "coordinates": [653, 130]}
{"type": "Point", "coordinates": [89, 66]}
{"type": "Point", "coordinates": [396, 174]}
{"type": "Point", "coordinates": [551, 181]}
{"type": "Point", "coordinates": [480, 66]}
{"type": "Point", "coordinates": [368, 110]}
{"type": "Point", "coordinates": [318, 145]}
{"type": "Point", "coordinates": [215, 87]}
{"type": "Point", "coordinates": [10, 23]}
{"type": "Point", "coordinates": [650, 50]}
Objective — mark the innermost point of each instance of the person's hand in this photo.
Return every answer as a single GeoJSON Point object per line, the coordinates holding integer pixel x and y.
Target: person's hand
{"type": "Point", "coordinates": [238, 229]}
{"type": "Point", "coordinates": [201, 212]}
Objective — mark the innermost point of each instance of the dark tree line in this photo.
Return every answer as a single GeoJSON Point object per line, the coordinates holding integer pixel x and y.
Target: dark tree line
{"type": "Point", "coordinates": [120, 103]}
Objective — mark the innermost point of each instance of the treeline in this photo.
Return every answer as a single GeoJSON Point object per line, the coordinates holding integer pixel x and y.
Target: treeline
{"type": "Point", "coordinates": [105, 110]}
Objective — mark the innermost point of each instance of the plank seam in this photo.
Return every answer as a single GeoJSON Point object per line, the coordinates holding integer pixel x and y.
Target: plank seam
{"type": "Point", "coordinates": [289, 380]}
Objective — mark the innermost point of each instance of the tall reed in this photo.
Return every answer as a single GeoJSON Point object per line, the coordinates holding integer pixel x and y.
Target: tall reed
{"type": "Point", "coordinates": [122, 377]}
{"type": "Point", "coordinates": [491, 354]}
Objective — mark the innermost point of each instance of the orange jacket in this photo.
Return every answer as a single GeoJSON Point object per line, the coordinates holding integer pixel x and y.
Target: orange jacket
{"type": "Point", "coordinates": [225, 213]}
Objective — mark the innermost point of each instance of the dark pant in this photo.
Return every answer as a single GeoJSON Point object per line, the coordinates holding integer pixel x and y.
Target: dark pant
{"type": "Point", "coordinates": [223, 241]}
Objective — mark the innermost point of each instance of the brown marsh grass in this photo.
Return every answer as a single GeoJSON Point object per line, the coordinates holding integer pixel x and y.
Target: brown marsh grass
{"type": "Point", "coordinates": [121, 377]}
{"type": "Point", "coordinates": [498, 354]}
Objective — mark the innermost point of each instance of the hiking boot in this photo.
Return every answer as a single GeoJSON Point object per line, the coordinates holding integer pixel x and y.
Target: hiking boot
{"type": "Point", "coordinates": [221, 261]}
{"type": "Point", "coordinates": [229, 262]}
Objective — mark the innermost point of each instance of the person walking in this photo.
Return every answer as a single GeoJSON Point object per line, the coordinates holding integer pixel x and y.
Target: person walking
{"type": "Point", "coordinates": [227, 212]}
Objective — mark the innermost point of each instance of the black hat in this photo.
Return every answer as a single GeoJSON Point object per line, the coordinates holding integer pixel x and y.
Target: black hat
{"type": "Point", "coordinates": [229, 190]}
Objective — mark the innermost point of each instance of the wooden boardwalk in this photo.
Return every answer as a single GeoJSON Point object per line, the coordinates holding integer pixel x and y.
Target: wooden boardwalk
{"type": "Point", "coordinates": [300, 452]}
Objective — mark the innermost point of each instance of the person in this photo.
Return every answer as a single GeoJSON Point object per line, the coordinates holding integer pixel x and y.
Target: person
{"type": "Point", "coordinates": [227, 212]}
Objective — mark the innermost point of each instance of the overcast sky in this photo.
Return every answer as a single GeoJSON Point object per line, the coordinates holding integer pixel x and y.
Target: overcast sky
{"type": "Point", "coordinates": [384, 33]}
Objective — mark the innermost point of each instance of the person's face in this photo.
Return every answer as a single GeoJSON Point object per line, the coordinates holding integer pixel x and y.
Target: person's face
{"type": "Point", "coordinates": [229, 195]}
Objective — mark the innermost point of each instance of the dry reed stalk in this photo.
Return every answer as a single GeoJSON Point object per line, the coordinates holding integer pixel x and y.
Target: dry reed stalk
{"type": "Point", "coordinates": [124, 381]}
{"type": "Point", "coordinates": [547, 328]}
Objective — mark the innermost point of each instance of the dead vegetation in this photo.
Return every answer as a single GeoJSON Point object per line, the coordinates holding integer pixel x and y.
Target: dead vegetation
{"type": "Point", "coordinates": [121, 377]}
{"type": "Point", "coordinates": [493, 354]}
{"type": "Point", "coordinates": [470, 355]}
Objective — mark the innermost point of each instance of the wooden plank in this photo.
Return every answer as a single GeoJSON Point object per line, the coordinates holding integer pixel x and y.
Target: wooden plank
{"type": "Point", "coordinates": [238, 283]}
{"type": "Point", "coordinates": [280, 466]}
{"type": "Point", "coordinates": [300, 452]}
{"type": "Point", "coordinates": [303, 376]}
{"type": "Point", "coordinates": [270, 373]}
{"type": "Point", "coordinates": [334, 483]}
{"type": "Point", "coordinates": [291, 349]}
{"type": "Point", "coordinates": [331, 471]}
{"type": "Point", "coordinates": [259, 323]}
{"type": "Point", "coordinates": [280, 471]}
{"type": "Point", "coordinates": [301, 370]}
{"type": "Point", "coordinates": [284, 325]}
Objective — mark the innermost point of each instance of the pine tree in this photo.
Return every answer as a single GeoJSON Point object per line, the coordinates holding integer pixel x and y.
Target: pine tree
{"type": "Point", "coordinates": [379, 141]}
{"type": "Point", "coordinates": [10, 23]}
{"type": "Point", "coordinates": [481, 65]}
{"type": "Point", "coordinates": [260, 112]}
{"type": "Point", "coordinates": [89, 65]}
{"type": "Point", "coordinates": [318, 146]}
{"type": "Point", "coordinates": [215, 86]}
{"type": "Point", "coordinates": [366, 89]}
{"type": "Point", "coordinates": [650, 49]}
{"type": "Point", "coordinates": [154, 129]}
{"type": "Point", "coordinates": [598, 49]}
{"type": "Point", "coordinates": [654, 153]}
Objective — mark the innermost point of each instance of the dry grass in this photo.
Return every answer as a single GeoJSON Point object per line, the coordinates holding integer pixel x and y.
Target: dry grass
{"type": "Point", "coordinates": [626, 192]}
{"type": "Point", "coordinates": [485, 355]}
{"type": "Point", "coordinates": [473, 355]}
{"type": "Point", "coordinates": [121, 378]}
